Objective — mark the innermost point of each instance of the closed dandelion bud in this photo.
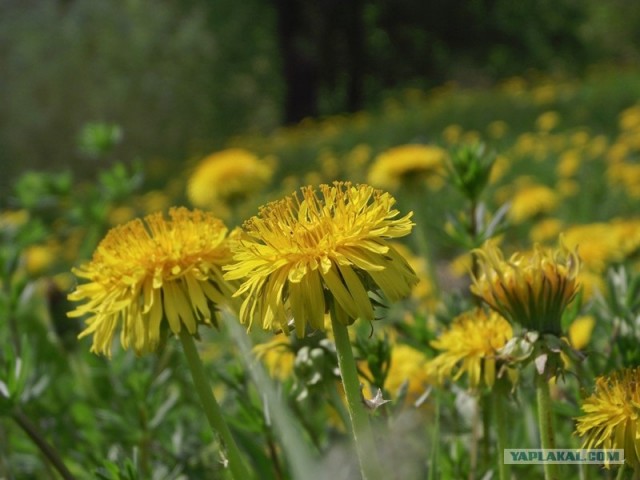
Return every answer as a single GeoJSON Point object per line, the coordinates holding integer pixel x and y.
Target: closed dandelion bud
{"type": "Point", "coordinates": [531, 290]}
{"type": "Point", "coordinates": [470, 169]}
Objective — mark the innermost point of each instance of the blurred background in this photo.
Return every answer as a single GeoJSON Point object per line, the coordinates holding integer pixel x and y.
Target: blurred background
{"type": "Point", "coordinates": [176, 79]}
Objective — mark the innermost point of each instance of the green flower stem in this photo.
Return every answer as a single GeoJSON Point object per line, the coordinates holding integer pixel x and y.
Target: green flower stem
{"type": "Point", "coordinates": [45, 447]}
{"type": "Point", "coordinates": [211, 407]}
{"type": "Point", "coordinates": [620, 474]}
{"type": "Point", "coordinates": [501, 434]}
{"type": "Point", "coordinates": [545, 423]}
{"type": "Point", "coordinates": [292, 441]}
{"type": "Point", "coordinates": [370, 466]}
{"type": "Point", "coordinates": [338, 405]}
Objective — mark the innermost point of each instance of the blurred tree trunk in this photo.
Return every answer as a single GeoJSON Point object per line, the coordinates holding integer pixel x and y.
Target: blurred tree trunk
{"type": "Point", "coordinates": [355, 54]}
{"type": "Point", "coordinates": [300, 68]}
{"type": "Point", "coordinates": [320, 43]}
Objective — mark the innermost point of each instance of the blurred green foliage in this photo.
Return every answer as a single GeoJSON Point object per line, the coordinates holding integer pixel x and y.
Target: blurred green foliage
{"type": "Point", "coordinates": [181, 76]}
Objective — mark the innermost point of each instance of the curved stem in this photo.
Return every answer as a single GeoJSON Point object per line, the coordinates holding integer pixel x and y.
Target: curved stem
{"type": "Point", "coordinates": [545, 423]}
{"type": "Point", "coordinates": [45, 447]}
{"type": "Point", "coordinates": [370, 466]}
{"type": "Point", "coordinates": [211, 408]}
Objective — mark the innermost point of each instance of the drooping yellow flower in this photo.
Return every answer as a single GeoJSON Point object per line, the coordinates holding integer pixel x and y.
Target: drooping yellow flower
{"type": "Point", "coordinates": [227, 175]}
{"type": "Point", "coordinates": [303, 254]}
{"type": "Point", "coordinates": [150, 269]}
{"type": "Point", "coordinates": [529, 289]}
{"type": "Point", "coordinates": [611, 418]}
{"type": "Point", "coordinates": [470, 345]}
{"type": "Point", "coordinates": [408, 163]}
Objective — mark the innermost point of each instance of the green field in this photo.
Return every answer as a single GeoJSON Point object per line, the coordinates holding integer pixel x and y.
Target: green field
{"type": "Point", "coordinates": [531, 160]}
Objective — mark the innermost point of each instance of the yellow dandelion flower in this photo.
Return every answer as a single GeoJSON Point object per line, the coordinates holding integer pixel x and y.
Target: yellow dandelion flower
{"type": "Point", "coordinates": [567, 188]}
{"type": "Point", "coordinates": [529, 289]}
{"type": "Point", "coordinates": [408, 163]}
{"type": "Point", "coordinates": [629, 119]}
{"type": "Point", "coordinates": [40, 258]}
{"type": "Point", "coordinates": [531, 200]}
{"type": "Point", "coordinates": [545, 94]}
{"type": "Point", "coordinates": [500, 168]}
{"type": "Point", "coordinates": [278, 356]}
{"type": "Point", "coordinates": [226, 176]}
{"type": "Point", "coordinates": [611, 419]}
{"type": "Point", "coordinates": [604, 243]}
{"type": "Point", "coordinates": [452, 134]}
{"type": "Point", "coordinates": [121, 214]}
{"type": "Point", "coordinates": [545, 229]}
{"type": "Point", "coordinates": [470, 345]}
{"type": "Point", "coordinates": [580, 331]}
{"type": "Point", "coordinates": [147, 269]}
{"type": "Point", "coordinates": [301, 255]}
{"type": "Point", "coordinates": [497, 129]}
{"type": "Point", "coordinates": [569, 163]}
{"type": "Point", "coordinates": [547, 121]}
{"type": "Point", "coordinates": [407, 366]}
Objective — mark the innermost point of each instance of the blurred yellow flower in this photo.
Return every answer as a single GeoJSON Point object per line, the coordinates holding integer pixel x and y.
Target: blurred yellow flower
{"type": "Point", "coordinates": [545, 94]}
{"type": "Point", "coordinates": [500, 167]}
{"type": "Point", "coordinates": [629, 119]}
{"type": "Point", "coordinates": [617, 152]}
{"type": "Point", "coordinates": [277, 355]}
{"type": "Point", "coordinates": [452, 134]}
{"type": "Point", "coordinates": [38, 258]}
{"type": "Point", "coordinates": [497, 129]}
{"type": "Point", "coordinates": [567, 188]}
{"type": "Point", "coordinates": [148, 269]}
{"type": "Point", "coordinates": [545, 230]}
{"type": "Point", "coordinates": [529, 289]}
{"type": "Point", "coordinates": [470, 345]}
{"type": "Point", "coordinates": [580, 331]}
{"type": "Point", "coordinates": [407, 366]}
{"type": "Point", "coordinates": [13, 220]}
{"type": "Point", "coordinates": [569, 163]}
{"type": "Point", "coordinates": [531, 200]}
{"type": "Point", "coordinates": [579, 139]}
{"type": "Point", "coordinates": [627, 175]}
{"type": "Point", "coordinates": [601, 244]}
{"type": "Point", "coordinates": [121, 214]}
{"type": "Point", "coordinates": [424, 292]}
{"type": "Point", "coordinates": [301, 256]}
{"type": "Point", "coordinates": [227, 176]}
{"type": "Point", "coordinates": [408, 164]}
{"type": "Point", "coordinates": [514, 86]}
{"type": "Point", "coordinates": [155, 201]}
{"type": "Point", "coordinates": [547, 121]}
{"type": "Point", "coordinates": [610, 419]}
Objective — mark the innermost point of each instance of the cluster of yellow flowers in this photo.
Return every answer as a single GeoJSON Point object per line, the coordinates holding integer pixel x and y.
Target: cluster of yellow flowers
{"type": "Point", "coordinates": [300, 257]}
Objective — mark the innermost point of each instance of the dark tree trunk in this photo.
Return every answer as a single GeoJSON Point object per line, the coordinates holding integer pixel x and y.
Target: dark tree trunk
{"type": "Point", "coordinates": [300, 69]}
{"type": "Point", "coordinates": [356, 55]}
